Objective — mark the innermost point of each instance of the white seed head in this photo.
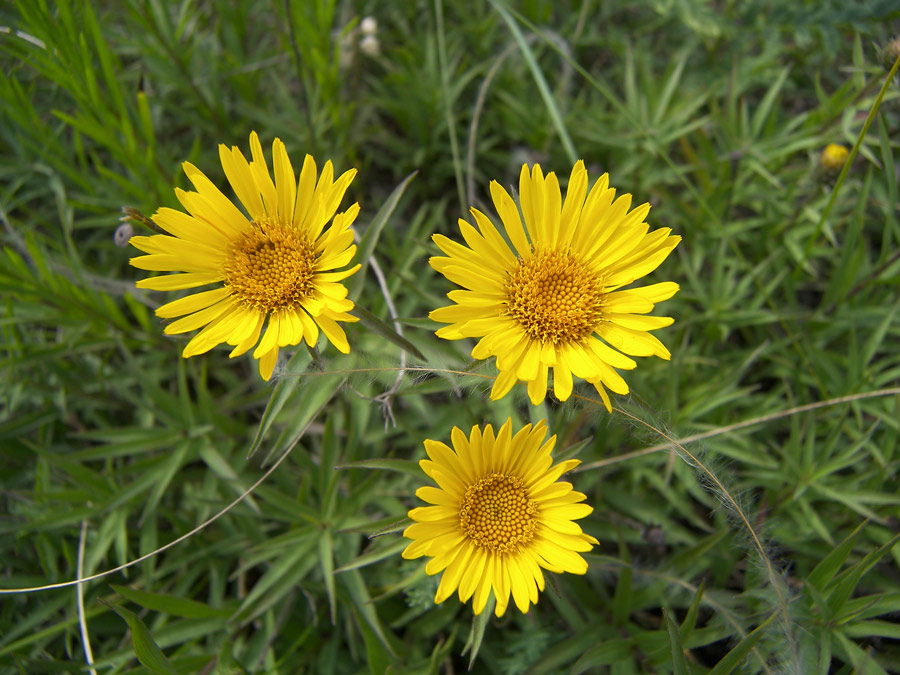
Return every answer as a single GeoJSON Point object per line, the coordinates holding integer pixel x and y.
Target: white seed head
{"type": "Point", "coordinates": [368, 26]}
{"type": "Point", "coordinates": [369, 45]}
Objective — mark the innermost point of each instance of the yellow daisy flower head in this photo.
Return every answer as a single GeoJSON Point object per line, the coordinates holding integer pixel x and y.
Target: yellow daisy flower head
{"type": "Point", "coordinates": [281, 263]}
{"type": "Point", "coordinates": [555, 297]}
{"type": "Point", "coordinates": [500, 514]}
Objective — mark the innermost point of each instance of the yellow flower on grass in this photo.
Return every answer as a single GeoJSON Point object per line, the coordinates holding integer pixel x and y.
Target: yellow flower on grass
{"type": "Point", "coordinates": [500, 515]}
{"type": "Point", "coordinates": [281, 263]}
{"type": "Point", "coordinates": [555, 298]}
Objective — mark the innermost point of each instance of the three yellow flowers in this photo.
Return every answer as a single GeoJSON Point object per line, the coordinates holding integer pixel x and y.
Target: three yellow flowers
{"type": "Point", "coordinates": [549, 296]}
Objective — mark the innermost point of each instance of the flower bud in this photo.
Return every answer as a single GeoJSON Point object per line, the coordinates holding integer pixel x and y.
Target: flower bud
{"type": "Point", "coordinates": [833, 157]}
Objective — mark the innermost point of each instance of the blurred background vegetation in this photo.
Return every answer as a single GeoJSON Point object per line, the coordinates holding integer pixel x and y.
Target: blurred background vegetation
{"type": "Point", "coordinates": [767, 545]}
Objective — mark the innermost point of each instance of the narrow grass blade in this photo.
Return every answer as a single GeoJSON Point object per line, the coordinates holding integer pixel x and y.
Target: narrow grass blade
{"type": "Point", "coordinates": [145, 647]}
{"type": "Point", "coordinates": [370, 237]}
{"type": "Point", "coordinates": [679, 665]}
{"type": "Point", "coordinates": [326, 561]}
{"type": "Point", "coordinates": [376, 325]}
{"type": "Point", "coordinates": [406, 466]}
{"type": "Point", "coordinates": [476, 634]}
{"type": "Point", "coordinates": [169, 604]}
{"type": "Point", "coordinates": [737, 655]}
{"type": "Point", "coordinates": [283, 389]}
{"type": "Point", "coordinates": [830, 564]}
{"type": "Point", "coordinates": [539, 80]}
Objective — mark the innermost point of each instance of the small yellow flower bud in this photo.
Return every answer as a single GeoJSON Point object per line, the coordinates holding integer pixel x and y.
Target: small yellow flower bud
{"type": "Point", "coordinates": [833, 157]}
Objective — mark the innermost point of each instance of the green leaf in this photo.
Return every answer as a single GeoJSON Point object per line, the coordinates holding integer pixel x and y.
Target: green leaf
{"type": "Point", "coordinates": [606, 653]}
{"type": "Point", "coordinates": [359, 594]}
{"type": "Point", "coordinates": [690, 619]}
{"type": "Point", "coordinates": [169, 604]}
{"type": "Point", "coordinates": [739, 652]}
{"type": "Point", "coordinates": [326, 560]}
{"type": "Point", "coordinates": [289, 568]}
{"type": "Point", "coordinates": [378, 657]}
{"type": "Point", "coordinates": [845, 587]}
{"type": "Point", "coordinates": [376, 325]}
{"type": "Point", "coordinates": [764, 109]}
{"type": "Point", "coordinates": [373, 556]}
{"type": "Point", "coordinates": [679, 665]}
{"type": "Point", "coordinates": [873, 628]}
{"type": "Point", "coordinates": [370, 238]}
{"type": "Point", "coordinates": [824, 572]}
{"type": "Point", "coordinates": [621, 604]}
{"type": "Point", "coordinates": [283, 390]}
{"type": "Point", "coordinates": [864, 662]}
{"type": "Point", "coordinates": [476, 633]}
{"type": "Point", "coordinates": [318, 389]}
{"type": "Point", "coordinates": [407, 466]}
{"type": "Point", "coordinates": [539, 80]}
{"type": "Point", "coordinates": [145, 647]}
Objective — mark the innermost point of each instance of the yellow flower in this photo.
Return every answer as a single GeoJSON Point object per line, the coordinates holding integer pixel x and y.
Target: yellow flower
{"type": "Point", "coordinates": [281, 263]}
{"type": "Point", "coordinates": [833, 157]}
{"type": "Point", "coordinates": [500, 514]}
{"type": "Point", "coordinates": [553, 299]}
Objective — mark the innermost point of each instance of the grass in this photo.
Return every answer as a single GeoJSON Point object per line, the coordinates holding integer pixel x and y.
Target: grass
{"type": "Point", "coordinates": [745, 494]}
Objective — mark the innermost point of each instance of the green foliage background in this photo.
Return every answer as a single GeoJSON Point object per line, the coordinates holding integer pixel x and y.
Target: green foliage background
{"type": "Point", "coordinates": [768, 544]}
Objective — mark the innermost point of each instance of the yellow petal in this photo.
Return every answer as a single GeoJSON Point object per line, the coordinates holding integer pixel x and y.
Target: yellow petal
{"type": "Point", "coordinates": [256, 320]}
{"type": "Point", "coordinates": [432, 495]}
{"type": "Point", "coordinates": [562, 382]}
{"type": "Point", "coordinates": [187, 227]}
{"type": "Point", "coordinates": [198, 319]}
{"type": "Point", "coordinates": [192, 303]}
{"type": "Point", "coordinates": [560, 557]}
{"type": "Point", "coordinates": [310, 329]}
{"type": "Point", "coordinates": [453, 574]}
{"type": "Point", "coordinates": [177, 282]}
{"type": "Point", "coordinates": [237, 170]}
{"type": "Point", "coordinates": [552, 209]}
{"type": "Point", "coordinates": [424, 514]}
{"type": "Point", "coordinates": [490, 244]}
{"type": "Point", "coordinates": [285, 187]}
{"type": "Point", "coordinates": [509, 215]}
{"type": "Point", "coordinates": [503, 384]}
{"type": "Point", "coordinates": [537, 388]}
{"type": "Point", "coordinates": [330, 201]}
{"type": "Point", "coordinates": [270, 337]}
{"type": "Point", "coordinates": [501, 587]}
{"type": "Point", "coordinates": [473, 575]}
{"type": "Point", "coordinates": [267, 363]}
{"type": "Point", "coordinates": [483, 590]}
{"type": "Point", "coordinates": [261, 178]}
{"type": "Point", "coordinates": [214, 207]}
{"type": "Point", "coordinates": [633, 342]}
{"type": "Point", "coordinates": [215, 333]}
{"type": "Point", "coordinates": [639, 322]}
{"type": "Point", "coordinates": [305, 189]}
{"type": "Point", "coordinates": [518, 584]}
{"type": "Point", "coordinates": [575, 194]}
{"type": "Point", "coordinates": [334, 333]}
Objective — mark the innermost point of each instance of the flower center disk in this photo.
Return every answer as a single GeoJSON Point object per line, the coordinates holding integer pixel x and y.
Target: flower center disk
{"type": "Point", "coordinates": [497, 514]}
{"type": "Point", "coordinates": [271, 267]}
{"type": "Point", "coordinates": [554, 297]}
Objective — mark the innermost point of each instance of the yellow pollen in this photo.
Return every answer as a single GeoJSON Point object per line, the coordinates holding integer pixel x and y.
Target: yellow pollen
{"type": "Point", "coordinates": [271, 267]}
{"type": "Point", "coordinates": [497, 514]}
{"type": "Point", "coordinates": [554, 297]}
